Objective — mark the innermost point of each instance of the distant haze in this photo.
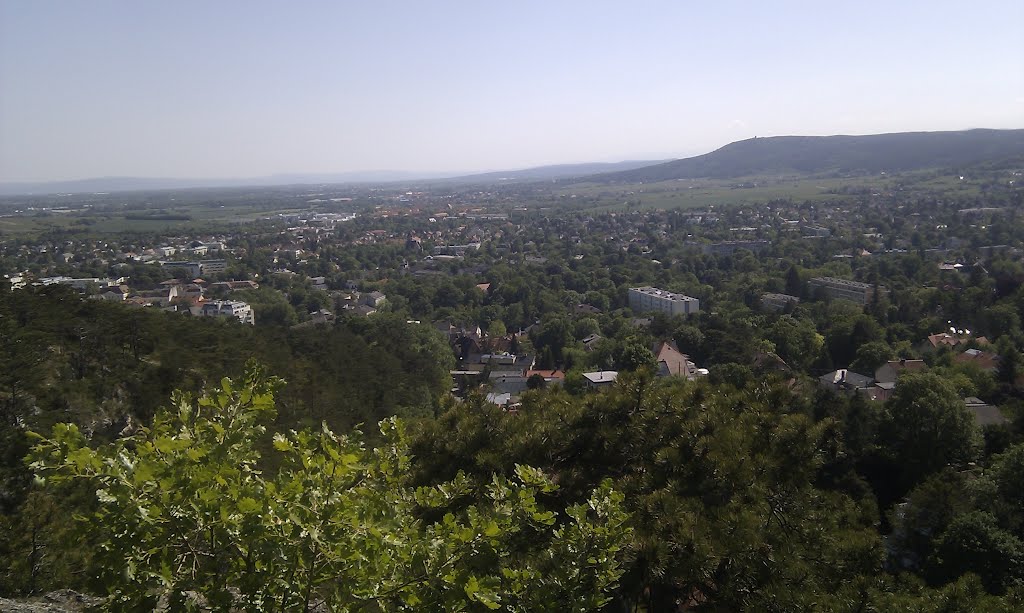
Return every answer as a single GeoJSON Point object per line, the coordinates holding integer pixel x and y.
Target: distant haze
{"type": "Point", "coordinates": [244, 89]}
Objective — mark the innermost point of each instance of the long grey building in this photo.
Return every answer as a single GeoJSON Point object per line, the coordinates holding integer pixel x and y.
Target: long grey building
{"type": "Point", "coordinates": [841, 289]}
{"type": "Point", "coordinates": [644, 299]}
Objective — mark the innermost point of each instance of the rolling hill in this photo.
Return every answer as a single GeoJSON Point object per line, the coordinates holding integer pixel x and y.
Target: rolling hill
{"type": "Point", "coordinates": [777, 155]}
{"type": "Point", "coordinates": [565, 172]}
{"type": "Point", "coordinates": [816, 155]}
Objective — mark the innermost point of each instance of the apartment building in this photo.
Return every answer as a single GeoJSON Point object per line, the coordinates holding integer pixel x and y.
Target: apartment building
{"type": "Point", "coordinates": [213, 267]}
{"type": "Point", "coordinates": [644, 299]}
{"type": "Point", "coordinates": [841, 289]}
{"type": "Point", "coordinates": [778, 302]}
{"type": "Point", "coordinates": [730, 247]}
{"type": "Point", "coordinates": [196, 268]}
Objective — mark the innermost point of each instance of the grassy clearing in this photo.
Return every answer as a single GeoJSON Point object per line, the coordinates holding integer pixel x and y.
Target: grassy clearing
{"type": "Point", "coordinates": [700, 194]}
{"type": "Point", "coordinates": [195, 217]}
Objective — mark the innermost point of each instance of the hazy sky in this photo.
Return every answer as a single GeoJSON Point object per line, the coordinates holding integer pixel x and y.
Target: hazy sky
{"type": "Point", "coordinates": [245, 89]}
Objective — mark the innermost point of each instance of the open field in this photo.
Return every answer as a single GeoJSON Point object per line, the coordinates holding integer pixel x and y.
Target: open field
{"type": "Point", "coordinates": [171, 211]}
{"type": "Point", "coordinates": [184, 219]}
{"type": "Point", "coordinates": [675, 195]}
{"type": "Point", "coordinates": [702, 193]}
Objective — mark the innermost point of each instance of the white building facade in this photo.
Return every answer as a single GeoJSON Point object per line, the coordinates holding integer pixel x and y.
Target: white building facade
{"type": "Point", "coordinates": [229, 308]}
{"type": "Point", "coordinates": [645, 299]}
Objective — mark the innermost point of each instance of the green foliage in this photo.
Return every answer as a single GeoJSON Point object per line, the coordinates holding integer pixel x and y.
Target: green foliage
{"type": "Point", "coordinates": [973, 542]}
{"type": "Point", "coordinates": [1008, 478]}
{"type": "Point", "coordinates": [928, 427]}
{"type": "Point", "coordinates": [35, 541]}
{"type": "Point", "coordinates": [59, 358]}
{"type": "Point", "coordinates": [635, 355]}
{"type": "Point", "coordinates": [187, 512]}
{"type": "Point", "coordinates": [797, 341]}
{"type": "Point", "coordinates": [496, 329]}
{"type": "Point", "coordinates": [907, 593]}
{"type": "Point", "coordinates": [928, 511]}
{"type": "Point", "coordinates": [269, 306]}
{"type": "Point", "coordinates": [720, 484]}
{"type": "Point", "coordinates": [732, 374]}
{"type": "Point", "coordinates": [870, 356]}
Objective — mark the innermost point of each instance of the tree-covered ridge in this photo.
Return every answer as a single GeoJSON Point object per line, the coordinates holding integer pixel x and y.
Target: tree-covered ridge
{"type": "Point", "coordinates": [62, 358]}
{"type": "Point", "coordinates": [836, 154]}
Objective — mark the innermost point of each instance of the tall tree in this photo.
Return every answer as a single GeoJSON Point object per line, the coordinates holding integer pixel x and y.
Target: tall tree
{"type": "Point", "coordinates": [975, 543]}
{"type": "Point", "coordinates": [794, 287]}
{"type": "Point", "coordinates": [928, 427]}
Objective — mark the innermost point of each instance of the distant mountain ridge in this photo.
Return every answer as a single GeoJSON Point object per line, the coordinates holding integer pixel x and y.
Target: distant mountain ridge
{"type": "Point", "coordinates": [126, 184]}
{"type": "Point", "coordinates": [554, 172]}
{"type": "Point", "coordinates": [775, 155]}
{"type": "Point", "coordinates": [808, 155]}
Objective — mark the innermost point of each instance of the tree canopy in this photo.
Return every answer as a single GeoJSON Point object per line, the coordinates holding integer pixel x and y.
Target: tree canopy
{"type": "Point", "coordinates": [187, 512]}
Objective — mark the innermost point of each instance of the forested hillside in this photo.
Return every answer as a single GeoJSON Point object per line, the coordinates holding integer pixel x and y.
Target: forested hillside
{"type": "Point", "coordinates": [98, 363]}
{"type": "Point", "coordinates": [801, 155]}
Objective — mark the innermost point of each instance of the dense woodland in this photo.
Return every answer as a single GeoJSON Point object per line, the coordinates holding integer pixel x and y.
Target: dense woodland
{"type": "Point", "coordinates": [750, 489]}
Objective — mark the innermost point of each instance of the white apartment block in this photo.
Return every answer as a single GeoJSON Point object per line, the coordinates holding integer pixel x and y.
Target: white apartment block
{"type": "Point", "coordinates": [229, 308]}
{"type": "Point", "coordinates": [83, 283]}
{"type": "Point", "coordinates": [643, 299]}
{"type": "Point", "coordinates": [196, 268]}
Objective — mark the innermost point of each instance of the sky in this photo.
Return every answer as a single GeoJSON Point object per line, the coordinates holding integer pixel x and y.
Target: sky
{"type": "Point", "coordinates": [224, 89]}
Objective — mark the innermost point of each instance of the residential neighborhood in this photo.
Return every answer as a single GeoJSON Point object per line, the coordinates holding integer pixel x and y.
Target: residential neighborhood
{"type": "Point", "coordinates": [665, 307]}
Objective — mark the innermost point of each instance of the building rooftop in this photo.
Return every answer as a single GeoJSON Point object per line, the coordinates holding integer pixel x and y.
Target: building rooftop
{"type": "Point", "coordinates": [837, 281]}
{"type": "Point", "coordinates": [602, 376]}
{"type": "Point", "coordinates": [660, 293]}
{"type": "Point", "coordinates": [847, 377]}
{"type": "Point", "coordinates": [781, 297]}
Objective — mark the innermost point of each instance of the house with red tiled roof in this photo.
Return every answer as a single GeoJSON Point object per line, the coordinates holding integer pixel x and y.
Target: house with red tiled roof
{"type": "Point", "coordinates": [945, 339]}
{"type": "Point", "coordinates": [672, 362]}
{"type": "Point", "coordinates": [497, 344]}
{"type": "Point", "coordinates": [550, 376]}
{"type": "Point", "coordinates": [985, 360]}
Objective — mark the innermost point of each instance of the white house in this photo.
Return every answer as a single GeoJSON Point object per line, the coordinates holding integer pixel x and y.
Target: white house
{"type": "Point", "coordinates": [601, 378]}
{"type": "Point", "coordinates": [229, 308]}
